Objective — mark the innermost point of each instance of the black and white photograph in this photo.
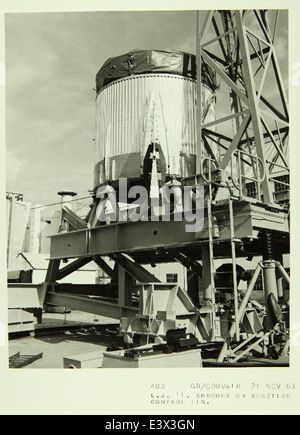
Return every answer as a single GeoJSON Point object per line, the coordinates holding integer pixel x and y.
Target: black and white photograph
{"type": "Point", "coordinates": [147, 210]}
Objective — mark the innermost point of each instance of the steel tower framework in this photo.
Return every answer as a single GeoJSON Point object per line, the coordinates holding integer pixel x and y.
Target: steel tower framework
{"type": "Point", "coordinates": [239, 47]}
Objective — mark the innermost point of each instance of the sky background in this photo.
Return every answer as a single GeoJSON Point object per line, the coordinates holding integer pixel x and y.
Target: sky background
{"type": "Point", "coordinates": [51, 63]}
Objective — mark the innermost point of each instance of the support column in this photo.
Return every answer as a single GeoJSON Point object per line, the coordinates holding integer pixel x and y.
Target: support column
{"type": "Point", "coordinates": [52, 272]}
{"type": "Point", "coordinates": [66, 197]}
{"type": "Point", "coordinates": [280, 285]}
{"type": "Point", "coordinates": [269, 269]}
{"type": "Point", "coordinates": [193, 287]}
{"type": "Point", "coordinates": [207, 282]}
{"type": "Point", "coordinates": [269, 273]}
{"type": "Point", "coordinates": [125, 282]}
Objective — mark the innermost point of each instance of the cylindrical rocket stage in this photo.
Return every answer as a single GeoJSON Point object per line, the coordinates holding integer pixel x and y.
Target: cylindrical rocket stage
{"type": "Point", "coordinates": [146, 98]}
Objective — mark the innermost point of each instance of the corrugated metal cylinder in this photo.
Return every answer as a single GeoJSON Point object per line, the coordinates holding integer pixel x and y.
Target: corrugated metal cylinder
{"type": "Point", "coordinates": [133, 111]}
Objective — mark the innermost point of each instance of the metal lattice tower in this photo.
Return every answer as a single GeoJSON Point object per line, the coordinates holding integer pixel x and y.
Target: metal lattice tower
{"type": "Point", "coordinates": [251, 130]}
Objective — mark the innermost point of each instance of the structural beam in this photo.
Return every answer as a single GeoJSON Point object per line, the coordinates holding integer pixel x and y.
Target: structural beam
{"type": "Point", "coordinates": [104, 290]}
{"type": "Point", "coordinates": [72, 267]}
{"type": "Point", "coordinates": [75, 221]}
{"type": "Point", "coordinates": [195, 267]}
{"type": "Point", "coordinates": [94, 306]}
{"type": "Point", "coordinates": [134, 269]}
{"type": "Point", "coordinates": [52, 271]}
{"type": "Point", "coordinates": [125, 237]}
{"type": "Point", "coordinates": [106, 268]}
{"type": "Point", "coordinates": [235, 142]}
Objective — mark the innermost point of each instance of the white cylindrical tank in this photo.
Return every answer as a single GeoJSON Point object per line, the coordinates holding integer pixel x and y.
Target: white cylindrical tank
{"type": "Point", "coordinates": [152, 102]}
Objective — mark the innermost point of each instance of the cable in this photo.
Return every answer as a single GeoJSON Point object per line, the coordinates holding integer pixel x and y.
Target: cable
{"type": "Point", "coordinates": [39, 190]}
{"type": "Point", "coordinates": [62, 202]}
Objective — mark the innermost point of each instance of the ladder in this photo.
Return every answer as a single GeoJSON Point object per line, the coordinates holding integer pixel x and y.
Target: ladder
{"type": "Point", "coordinates": [211, 260]}
{"type": "Point", "coordinates": [233, 241]}
{"type": "Point", "coordinates": [234, 268]}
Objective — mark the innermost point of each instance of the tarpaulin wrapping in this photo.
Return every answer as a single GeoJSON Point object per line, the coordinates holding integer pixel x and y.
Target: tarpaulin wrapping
{"type": "Point", "coordinates": [153, 61]}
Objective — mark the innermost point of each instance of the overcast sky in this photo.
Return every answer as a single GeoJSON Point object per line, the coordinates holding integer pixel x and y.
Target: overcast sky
{"type": "Point", "coordinates": [51, 62]}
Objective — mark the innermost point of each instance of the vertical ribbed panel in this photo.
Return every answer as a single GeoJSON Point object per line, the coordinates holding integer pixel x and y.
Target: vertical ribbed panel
{"type": "Point", "coordinates": [122, 111]}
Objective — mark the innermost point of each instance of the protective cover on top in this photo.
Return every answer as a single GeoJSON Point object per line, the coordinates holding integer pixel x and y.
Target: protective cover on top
{"type": "Point", "coordinates": [153, 61]}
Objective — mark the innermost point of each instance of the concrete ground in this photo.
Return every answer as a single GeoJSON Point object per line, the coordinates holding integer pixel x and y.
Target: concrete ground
{"type": "Point", "coordinates": [77, 333]}
{"type": "Point", "coordinates": [62, 340]}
